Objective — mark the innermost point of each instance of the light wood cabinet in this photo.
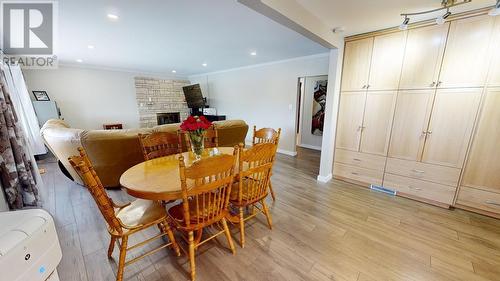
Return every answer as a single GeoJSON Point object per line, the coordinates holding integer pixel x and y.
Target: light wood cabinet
{"type": "Point", "coordinates": [494, 73]}
{"type": "Point", "coordinates": [423, 56]}
{"type": "Point", "coordinates": [483, 165]}
{"type": "Point", "coordinates": [387, 60]}
{"type": "Point", "coordinates": [450, 127]}
{"type": "Point", "coordinates": [377, 122]}
{"type": "Point", "coordinates": [466, 58]}
{"type": "Point", "coordinates": [357, 57]}
{"type": "Point", "coordinates": [411, 119]}
{"type": "Point", "coordinates": [350, 120]}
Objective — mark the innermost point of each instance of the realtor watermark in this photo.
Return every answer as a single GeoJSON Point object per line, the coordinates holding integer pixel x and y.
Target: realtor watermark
{"type": "Point", "coordinates": [28, 33]}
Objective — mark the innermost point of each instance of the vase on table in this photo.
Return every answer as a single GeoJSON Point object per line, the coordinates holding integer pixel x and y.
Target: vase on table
{"type": "Point", "coordinates": [197, 140]}
{"type": "Point", "coordinates": [195, 127]}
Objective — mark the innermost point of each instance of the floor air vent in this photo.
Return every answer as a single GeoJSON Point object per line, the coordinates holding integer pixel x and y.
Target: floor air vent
{"type": "Point", "coordinates": [383, 189]}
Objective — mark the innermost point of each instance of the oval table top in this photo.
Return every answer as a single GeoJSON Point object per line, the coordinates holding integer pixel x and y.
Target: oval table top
{"type": "Point", "coordinates": [158, 179]}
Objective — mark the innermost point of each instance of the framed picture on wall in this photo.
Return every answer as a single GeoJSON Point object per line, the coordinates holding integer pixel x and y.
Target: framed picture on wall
{"type": "Point", "coordinates": [318, 111]}
{"type": "Point", "coordinates": [41, 95]}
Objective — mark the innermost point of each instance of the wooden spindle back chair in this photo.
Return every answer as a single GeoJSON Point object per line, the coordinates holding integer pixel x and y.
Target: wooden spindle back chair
{"type": "Point", "coordinates": [206, 187]}
{"type": "Point", "coordinates": [265, 135]}
{"type": "Point", "coordinates": [159, 144]}
{"type": "Point", "coordinates": [211, 138]}
{"type": "Point", "coordinates": [255, 166]}
{"type": "Point", "coordinates": [120, 223]}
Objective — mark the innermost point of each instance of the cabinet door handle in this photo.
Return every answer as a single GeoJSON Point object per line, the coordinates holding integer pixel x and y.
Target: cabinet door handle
{"type": "Point", "coordinates": [368, 86]}
{"type": "Point", "coordinates": [433, 84]}
{"type": "Point", "coordinates": [356, 159]}
{"type": "Point", "coordinates": [364, 86]}
{"type": "Point", "coordinates": [429, 132]}
{"type": "Point", "coordinates": [354, 173]}
{"type": "Point", "coordinates": [439, 83]}
{"type": "Point", "coordinates": [418, 171]}
{"type": "Point", "coordinates": [490, 202]}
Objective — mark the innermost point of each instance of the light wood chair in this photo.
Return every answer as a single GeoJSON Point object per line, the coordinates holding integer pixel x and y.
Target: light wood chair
{"type": "Point", "coordinates": [255, 166]}
{"type": "Point", "coordinates": [159, 144]}
{"type": "Point", "coordinates": [211, 138]}
{"type": "Point", "coordinates": [206, 186]}
{"type": "Point", "coordinates": [265, 135]}
{"type": "Point", "coordinates": [124, 220]}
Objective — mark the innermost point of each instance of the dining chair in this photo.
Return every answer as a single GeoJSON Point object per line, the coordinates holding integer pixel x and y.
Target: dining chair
{"type": "Point", "coordinates": [206, 186]}
{"type": "Point", "coordinates": [211, 138]}
{"type": "Point", "coordinates": [124, 220]}
{"type": "Point", "coordinates": [265, 135]}
{"type": "Point", "coordinates": [159, 144]}
{"type": "Point", "coordinates": [254, 168]}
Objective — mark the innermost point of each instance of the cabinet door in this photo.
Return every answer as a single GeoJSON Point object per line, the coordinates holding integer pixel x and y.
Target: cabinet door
{"type": "Point", "coordinates": [350, 120]}
{"type": "Point", "coordinates": [357, 56]}
{"type": "Point", "coordinates": [450, 126]}
{"type": "Point", "coordinates": [377, 122]}
{"type": "Point", "coordinates": [494, 73]}
{"type": "Point", "coordinates": [465, 62]}
{"type": "Point", "coordinates": [483, 164]}
{"type": "Point", "coordinates": [387, 59]}
{"type": "Point", "coordinates": [423, 56]}
{"type": "Point", "coordinates": [411, 119]}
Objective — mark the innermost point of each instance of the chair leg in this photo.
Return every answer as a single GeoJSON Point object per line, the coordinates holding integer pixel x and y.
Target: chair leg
{"type": "Point", "coordinates": [111, 246]}
{"type": "Point", "coordinates": [266, 212]}
{"type": "Point", "coordinates": [228, 236]}
{"type": "Point", "coordinates": [165, 228]}
{"type": "Point", "coordinates": [191, 255]}
{"type": "Point", "coordinates": [121, 262]}
{"type": "Point", "coordinates": [272, 191]}
{"type": "Point", "coordinates": [242, 229]}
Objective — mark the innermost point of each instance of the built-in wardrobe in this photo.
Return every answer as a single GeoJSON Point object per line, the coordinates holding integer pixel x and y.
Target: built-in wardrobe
{"type": "Point", "coordinates": [419, 112]}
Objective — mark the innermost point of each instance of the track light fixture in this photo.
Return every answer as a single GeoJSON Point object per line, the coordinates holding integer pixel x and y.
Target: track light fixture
{"type": "Point", "coordinates": [496, 10]}
{"type": "Point", "coordinates": [445, 5]}
{"type": "Point", "coordinates": [404, 25]}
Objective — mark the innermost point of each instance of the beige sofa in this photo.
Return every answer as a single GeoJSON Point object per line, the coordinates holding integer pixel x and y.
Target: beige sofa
{"type": "Point", "coordinates": [112, 152]}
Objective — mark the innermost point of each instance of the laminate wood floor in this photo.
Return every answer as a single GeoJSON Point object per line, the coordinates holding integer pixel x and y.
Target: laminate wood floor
{"type": "Point", "coordinates": [334, 231]}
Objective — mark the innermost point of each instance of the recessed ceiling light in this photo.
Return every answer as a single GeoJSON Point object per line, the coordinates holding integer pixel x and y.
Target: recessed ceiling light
{"type": "Point", "coordinates": [254, 53]}
{"type": "Point", "coordinates": [79, 60]}
{"type": "Point", "coordinates": [91, 47]}
{"type": "Point", "coordinates": [204, 64]}
{"type": "Point", "coordinates": [174, 71]}
{"type": "Point", "coordinates": [113, 17]}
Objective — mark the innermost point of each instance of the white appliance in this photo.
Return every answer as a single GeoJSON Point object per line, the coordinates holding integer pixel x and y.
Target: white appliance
{"type": "Point", "coordinates": [46, 110]}
{"type": "Point", "coordinates": [29, 247]}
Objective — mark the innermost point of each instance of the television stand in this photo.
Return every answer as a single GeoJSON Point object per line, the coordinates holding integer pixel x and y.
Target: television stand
{"type": "Point", "coordinates": [213, 118]}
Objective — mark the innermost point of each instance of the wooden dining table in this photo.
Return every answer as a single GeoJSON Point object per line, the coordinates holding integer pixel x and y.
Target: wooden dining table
{"type": "Point", "coordinates": [159, 179]}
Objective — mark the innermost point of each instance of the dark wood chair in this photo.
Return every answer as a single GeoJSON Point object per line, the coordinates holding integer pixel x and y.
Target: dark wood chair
{"type": "Point", "coordinates": [254, 168]}
{"type": "Point", "coordinates": [159, 144]}
{"type": "Point", "coordinates": [206, 186]}
{"type": "Point", "coordinates": [266, 135]}
{"type": "Point", "coordinates": [124, 220]}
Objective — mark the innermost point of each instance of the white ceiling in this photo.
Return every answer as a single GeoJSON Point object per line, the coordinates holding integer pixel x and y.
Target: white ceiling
{"type": "Point", "coordinates": [359, 16]}
{"type": "Point", "coordinates": [158, 36]}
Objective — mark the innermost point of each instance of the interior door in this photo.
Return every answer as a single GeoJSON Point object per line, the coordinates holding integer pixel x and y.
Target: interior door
{"type": "Point", "coordinates": [450, 126]}
{"type": "Point", "coordinates": [350, 120]}
{"type": "Point", "coordinates": [483, 164]}
{"type": "Point", "coordinates": [377, 122]}
{"type": "Point", "coordinates": [423, 56]}
{"type": "Point", "coordinates": [411, 119]}
{"type": "Point", "coordinates": [387, 60]}
{"type": "Point", "coordinates": [466, 58]}
{"type": "Point", "coordinates": [357, 57]}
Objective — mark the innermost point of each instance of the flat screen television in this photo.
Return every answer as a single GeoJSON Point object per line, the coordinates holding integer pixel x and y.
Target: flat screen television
{"type": "Point", "coordinates": [194, 98]}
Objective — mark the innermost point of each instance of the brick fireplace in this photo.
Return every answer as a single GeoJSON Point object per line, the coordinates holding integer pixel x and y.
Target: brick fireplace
{"type": "Point", "coordinates": [157, 98]}
{"type": "Point", "coordinates": [168, 118]}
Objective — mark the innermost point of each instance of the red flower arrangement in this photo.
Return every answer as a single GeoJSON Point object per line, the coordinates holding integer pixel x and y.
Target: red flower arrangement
{"type": "Point", "coordinates": [195, 123]}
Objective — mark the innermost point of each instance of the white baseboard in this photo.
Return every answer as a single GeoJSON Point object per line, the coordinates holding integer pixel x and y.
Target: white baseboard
{"type": "Point", "coordinates": [309, 146]}
{"type": "Point", "coordinates": [324, 179]}
{"type": "Point", "coordinates": [287, 152]}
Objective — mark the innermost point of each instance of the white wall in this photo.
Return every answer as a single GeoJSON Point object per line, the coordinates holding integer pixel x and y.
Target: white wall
{"type": "Point", "coordinates": [263, 95]}
{"type": "Point", "coordinates": [89, 97]}
{"type": "Point", "coordinates": [307, 139]}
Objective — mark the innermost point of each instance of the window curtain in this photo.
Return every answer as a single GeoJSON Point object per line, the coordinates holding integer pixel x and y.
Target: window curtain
{"type": "Point", "coordinates": [19, 174]}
